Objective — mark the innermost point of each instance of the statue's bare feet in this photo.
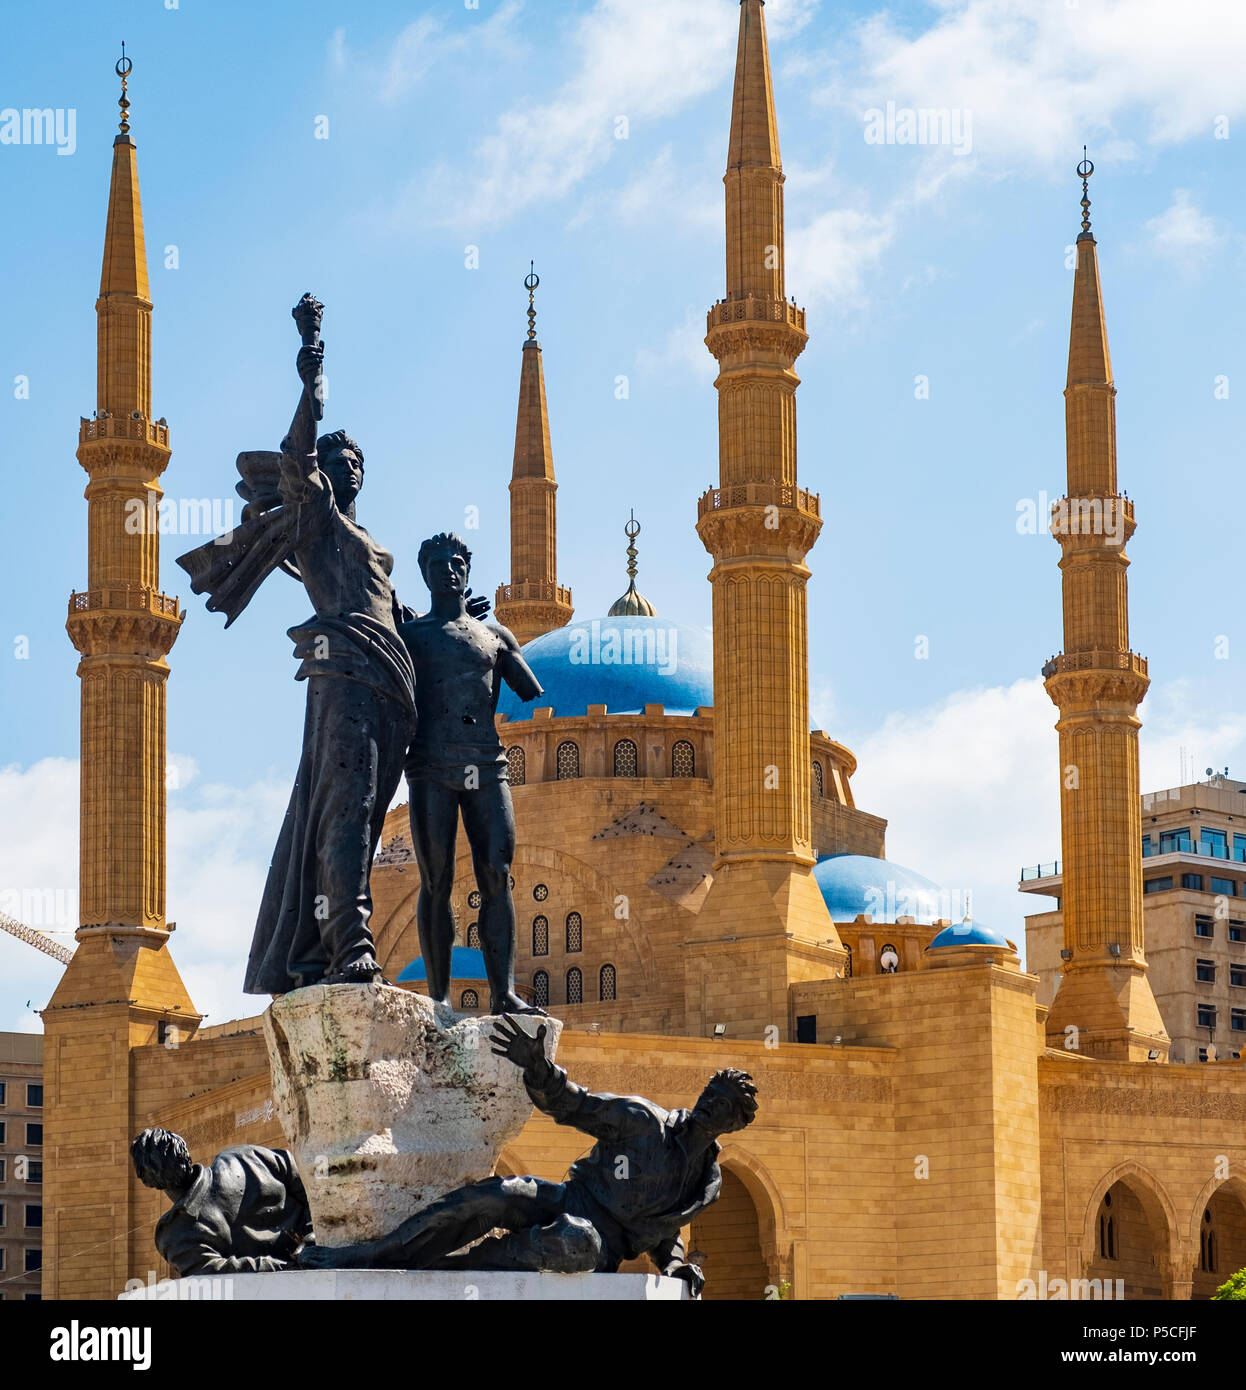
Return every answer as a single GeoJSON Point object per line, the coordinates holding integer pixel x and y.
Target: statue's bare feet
{"type": "Point", "coordinates": [363, 972]}
{"type": "Point", "coordinates": [512, 1004]}
{"type": "Point", "coordinates": [325, 1257]}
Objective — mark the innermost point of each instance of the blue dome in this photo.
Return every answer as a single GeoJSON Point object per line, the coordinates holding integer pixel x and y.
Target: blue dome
{"type": "Point", "coordinates": [967, 934]}
{"type": "Point", "coordinates": [622, 663]}
{"type": "Point", "coordinates": [855, 883]}
{"type": "Point", "coordinates": [465, 964]}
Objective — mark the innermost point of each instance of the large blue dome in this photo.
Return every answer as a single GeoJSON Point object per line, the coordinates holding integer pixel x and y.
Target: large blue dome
{"type": "Point", "coordinates": [855, 883]}
{"type": "Point", "coordinates": [466, 963]}
{"type": "Point", "coordinates": [967, 934]}
{"type": "Point", "coordinates": [623, 663]}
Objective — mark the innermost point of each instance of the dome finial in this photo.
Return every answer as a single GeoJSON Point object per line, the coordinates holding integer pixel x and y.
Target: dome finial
{"type": "Point", "coordinates": [632, 604]}
{"type": "Point", "coordinates": [531, 281]}
{"type": "Point", "coordinates": [123, 69]}
{"type": "Point", "coordinates": [1084, 171]}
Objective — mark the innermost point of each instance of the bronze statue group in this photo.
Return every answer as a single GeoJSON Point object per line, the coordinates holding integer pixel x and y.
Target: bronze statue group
{"type": "Point", "coordinates": [390, 691]}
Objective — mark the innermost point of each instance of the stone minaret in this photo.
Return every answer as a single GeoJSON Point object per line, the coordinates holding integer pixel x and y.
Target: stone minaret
{"type": "Point", "coordinates": [533, 602]}
{"type": "Point", "coordinates": [121, 989]}
{"type": "Point", "coordinates": [1104, 1006]}
{"type": "Point", "coordinates": [758, 525]}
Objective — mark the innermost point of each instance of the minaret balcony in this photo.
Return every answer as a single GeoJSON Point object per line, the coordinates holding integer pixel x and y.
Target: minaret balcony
{"type": "Point", "coordinates": [533, 591]}
{"type": "Point", "coordinates": [124, 427]}
{"type": "Point", "coordinates": [771, 494]}
{"type": "Point", "coordinates": [125, 598]}
{"type": "Point", "coordinates": [753, 309]}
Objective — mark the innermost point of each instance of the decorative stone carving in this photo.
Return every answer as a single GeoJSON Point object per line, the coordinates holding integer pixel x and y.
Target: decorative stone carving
{"type": "Point", "coordinates": [388, 1102]}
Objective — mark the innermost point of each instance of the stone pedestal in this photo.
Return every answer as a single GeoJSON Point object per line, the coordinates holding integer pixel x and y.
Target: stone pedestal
{"type": "Point", "coordinates": [431, 1286]}
{"type": "Point", "coordinates": [388, 1101]}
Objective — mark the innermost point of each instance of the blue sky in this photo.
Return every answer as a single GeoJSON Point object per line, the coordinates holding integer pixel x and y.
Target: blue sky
{"type": "Point", "coordinates": [496, 128]}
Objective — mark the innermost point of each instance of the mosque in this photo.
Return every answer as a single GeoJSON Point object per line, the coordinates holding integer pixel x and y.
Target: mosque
{"type": "Point", "coordinates": [695, 884]}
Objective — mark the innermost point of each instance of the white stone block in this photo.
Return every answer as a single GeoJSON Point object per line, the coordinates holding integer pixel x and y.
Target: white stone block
{"type": "Point", "coordinates": [388, 1101]}
{"type": "Point", "coordinates": [433, 1286]}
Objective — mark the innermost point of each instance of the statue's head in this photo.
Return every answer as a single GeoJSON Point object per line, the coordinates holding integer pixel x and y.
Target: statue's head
{"type": "Point", "coordinates": [728, 1103]}
{"type": "Point", "coordinates": [445, 563]}
{"type": "Point", "coordinates": [161, 1159]}
{"type": "Point", "coordinates": [341, 461]}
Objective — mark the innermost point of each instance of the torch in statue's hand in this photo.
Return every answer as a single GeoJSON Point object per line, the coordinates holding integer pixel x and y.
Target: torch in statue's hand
{"type": "Point", "coordinates": [307, 314]}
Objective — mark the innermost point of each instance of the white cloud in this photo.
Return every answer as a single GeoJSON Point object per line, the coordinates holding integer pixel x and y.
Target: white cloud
{"type": "Point", "coordinates": [829, 257]}
{"type": "Point", "coordinates": [971, 792]}
{"type": "Point", "coordinates": [1183, 234]}
{"type": "Point", "coordinates": [1041, 77]}
{"type": "Point", "coordinates": [683, 348]}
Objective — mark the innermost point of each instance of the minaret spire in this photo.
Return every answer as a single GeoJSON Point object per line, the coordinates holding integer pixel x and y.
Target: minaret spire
{"type": "Point", "coordinates": [1104, 1005]}
{"type": "Point", "coordinates": [121, 990]}
{"type": "Point", "coordinates": [533, 602]}
{"type": "Point", "coordinates": [632, 604]}
{"type": "Point", "coordinates": [758, 525]}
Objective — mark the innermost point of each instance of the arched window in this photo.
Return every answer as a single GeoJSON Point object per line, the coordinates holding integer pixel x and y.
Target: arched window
{"type": "Point", "coordinates": [1207, 1245]}
{"type": "Point", "coordinates": [516, 766]}
{"type": "Point", "coordinates": [625, 759]}
{"type": "Point", "coordinates": [1107, 1229]}
{"type": "Point", "coordinates": [683, 759]}
{"type": "Point", "coordinates": [540, 935]}
{"type": "Point", "coordinates": [540, 988]}
{"type": "Point", "coordinates": [608, 981]}
{"type": "Point", "coordinates": [469, 999]}
{"type": "Point", "coordinates": [473, 935]}
{"type": "Point", "coordinates": [817, 778]}
{"type": "Point", "coordinates": [575, 985]}
{"type": "Point", "coordinates": [575, 932]}
{"type": "Point", "coordinates": [888, 959]}
{"type": "Point", "coordinates": [568, 760]}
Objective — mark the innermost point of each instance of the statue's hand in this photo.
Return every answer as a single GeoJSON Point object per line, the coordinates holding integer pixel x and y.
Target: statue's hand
{"type": "Point", "coordinates": [477, 606]}
{"type": "Point", "coordinates": [522, 1048]}
{"type": "Point", "coordinates": [310, 364]}
{"type": "Point", "coordinates": [691, 1275]}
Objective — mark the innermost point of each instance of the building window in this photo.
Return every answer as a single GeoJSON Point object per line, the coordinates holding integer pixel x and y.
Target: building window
{"type": "Point", "coordinates": [1194, 881]}
{"type": "Point", "coordinates": [1214, 843]}
{"type": "Point", "coordinates": [1107, 1229]}
{"type": "Point", "coordinates": [806, 1028]}
{"type": "Point", "coordinates": [1, 1216]}
{"type": "Point", "coordinates": [1225, 886]}
{"type": "Point", "coordinates": [1174, 841]}
{"type": "Point", "coordinates": [1237, 974]}
{"type": "Point", "coordinates": [34, 1135]}
{"type": "Point", "coordinates": [1147, 848]}
{"type": "Point", "coordinates": [1237, 930]}
{"type": "Point", "coordinates": [607, 982]}
{"type": "Point", "coordinates": [3, 1093]}
{"type": "Point", "coordinates": [1205, 971]}
{"type": "Point", "coordinates": [516, 766]}
{"type": "Point", "coordinates": [1204, 926]}
{"type": "Point", "coordinates": [2, 1168]}
{"type": "Point", "coordinates": [540, 892]}
{"type": "Point", "coordinates": [540, 936]}
{"type": "Point", "coordinates": [1206, 1015]}
{"type": "Point", "coordinates": [683, 759]}
{"type": "Point", "coordinates": [34, 1259]}
{"type": "Point", "coordinates": [3, 1253]}
{"type": "Point", "coordinates": [817, 778]}
{"type": "Point", "coordinates": [473, 935]}
{"type": "Point", "coordinates": [34, 1171]}
{"type": "Point", "coordinates": [575, 932]}
{"type": "Point", "coordinates": [568, 760]}
{"type": "Point", "coordinates": [473, 899]}
{"type": "Point", "coordinates": [540, 988]}
{"type": "Point", "coordinates": [1237, 1020]}
{"type": "Point", "coordinates": [625, 759]}
{"type": "Point", "coordinates": [1159, 885]}
{"type": "Point", "coordinates": [469, 999]}
{"type": "Point", "coordinates": [575, 985]}
{"type": "Point", "coordinates": [3, 1131]}
{"type": "Point", "coordinates": [1207, 1245]}
{"type": "Point", "coordinates": [34, 1095]}
{"type": "Point", "coordinates": [1239, 848]}
{"type": "Point", "coordinates": [34, 1214]}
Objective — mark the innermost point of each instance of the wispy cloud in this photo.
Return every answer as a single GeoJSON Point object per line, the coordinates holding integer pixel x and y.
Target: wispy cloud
{"type": "Point", "coordinates": [1183, 234]}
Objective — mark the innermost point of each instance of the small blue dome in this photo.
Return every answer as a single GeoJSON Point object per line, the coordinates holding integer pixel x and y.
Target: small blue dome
{"type": "Point", "coordinates": [623, 663]}
{"type": "Point", "coordinates": [466, 963]}
{"type": "Point", "coordinates": [967, 934]}
{"type": "Point", "coordinates": [855, 883]}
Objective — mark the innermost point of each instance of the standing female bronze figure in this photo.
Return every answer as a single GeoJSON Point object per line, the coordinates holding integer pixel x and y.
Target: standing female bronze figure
{"type": "Point", "coordinates": [313, 925]}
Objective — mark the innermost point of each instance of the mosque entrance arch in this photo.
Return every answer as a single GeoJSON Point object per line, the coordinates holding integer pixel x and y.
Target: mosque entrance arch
{"type": "Point", "coordinates": [1220, 1238]}
{"type": "Point", "coordinates": [1129, 1239]}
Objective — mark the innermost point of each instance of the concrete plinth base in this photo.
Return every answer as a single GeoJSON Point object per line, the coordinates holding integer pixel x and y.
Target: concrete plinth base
{"type": "Point", "coordinates": [430, 1286]}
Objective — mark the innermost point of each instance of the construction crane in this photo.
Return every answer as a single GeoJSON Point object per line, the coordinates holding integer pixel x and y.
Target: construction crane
{"type": "Point", "coordinates": [34, 938]}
